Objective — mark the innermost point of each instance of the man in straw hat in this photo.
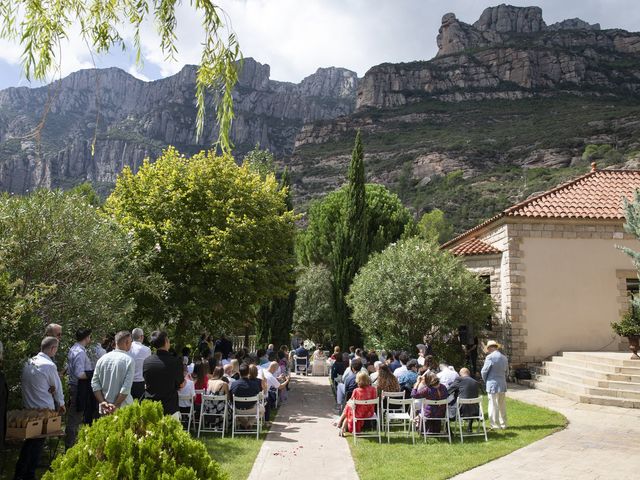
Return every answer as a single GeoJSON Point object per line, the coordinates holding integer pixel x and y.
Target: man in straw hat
{"type": "Point", "coordinates": [494, 373]}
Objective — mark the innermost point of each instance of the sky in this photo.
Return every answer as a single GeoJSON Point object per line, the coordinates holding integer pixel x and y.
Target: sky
{"type": "Point", "coordinates": [296, 37]}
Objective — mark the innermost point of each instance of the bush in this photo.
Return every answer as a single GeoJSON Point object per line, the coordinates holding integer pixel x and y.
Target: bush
{"type": "Point", "coordinates": [138, 442]}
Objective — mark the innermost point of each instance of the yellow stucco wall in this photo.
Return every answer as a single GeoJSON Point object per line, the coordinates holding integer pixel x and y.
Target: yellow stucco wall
{"type": "Point", "coordinates": [572, 293]}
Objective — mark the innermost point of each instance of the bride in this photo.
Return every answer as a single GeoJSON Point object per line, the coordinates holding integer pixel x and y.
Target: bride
{"type": "Point", "coordinates": [319, 362]}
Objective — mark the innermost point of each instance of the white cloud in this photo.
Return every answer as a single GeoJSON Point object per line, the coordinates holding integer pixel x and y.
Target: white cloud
{"type": "Point", "coordinates": [133, 70]}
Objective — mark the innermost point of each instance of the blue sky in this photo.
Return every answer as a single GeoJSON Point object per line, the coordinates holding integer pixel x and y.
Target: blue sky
{"type": "Point", "coordinates": [296, 37]}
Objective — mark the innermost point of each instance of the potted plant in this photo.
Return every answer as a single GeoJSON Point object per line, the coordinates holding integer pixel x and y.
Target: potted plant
{"type": "Point", "coordinates": [629, 326]}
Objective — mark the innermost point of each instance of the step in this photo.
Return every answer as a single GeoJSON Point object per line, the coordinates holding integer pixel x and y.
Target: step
{"type": "Point", "coordinates": [619, 359]}
{"type": "Point", "coordinates": [600, 367]}
{"type": "Point", "coordinates": [590, 390]}
{"type": "Point", "coordinates": [587, 377]}
{"type": "Point", "coordinates": [589, 372]}
{"type": "Point", "coordinates": [585, 398]}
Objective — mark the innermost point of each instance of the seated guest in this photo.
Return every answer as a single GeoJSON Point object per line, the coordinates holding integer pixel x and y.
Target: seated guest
{"type": "Point", "coordinates": [374, 374]}
{"type": "Point", "coordinates": [428, 386]}
{"type": "Point", "coordinates": [351, 383]}
{"type": "Point", "coordinates": [403, 358]}
{"type": "Point", "coordinates": [336, 353]}
{"type": "Point", "coordinates": [246, 387]}
{"type": "Point", "coordinates": [339, 366]}
{"type": "Point", "coordinates": [447, 374]}
{"type": "Point", "coordinates": [228, 374]}
{"type": "Point", "coordinates": [201, 379]}
{"type": "Point", "coordinates": [301, 356]}
{"type": "Point", "coordinates": [466, 387]}
{"type": "Point", "coordinates": [274, 384]}
{"type": "Point", "coordinates": [387, 382]}
{"type": "Point", "coordinates": [393, 362]}
{"type": "Point", "coordinates": [283, 363]}
{"type": "Point", "coordinates": [186, 393]}
{"type": "Point", "coordinates": [372, 358]}
{"type": "Point", "coordinates": [360, 355]}
{"type": "Point", "coordinates": [262, 356]}
{"type": "Point", "coordinates": [216, 386]}
{"type": "Point", "coordinates": [409, 378]}
{"type": "Point", "coordinates": [363, 391]}
{"type": "Point", "coordinates": [235, 368]}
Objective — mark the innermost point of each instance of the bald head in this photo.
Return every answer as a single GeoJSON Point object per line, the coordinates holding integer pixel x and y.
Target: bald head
{"type": "Point", "coordinates": [464, 372]}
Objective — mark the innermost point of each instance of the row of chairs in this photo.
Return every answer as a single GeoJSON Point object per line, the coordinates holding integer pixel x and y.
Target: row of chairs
{"type": "Point", "coordinates": [254, 419]}
{"type": "Point", "coordinates": [400, 411]}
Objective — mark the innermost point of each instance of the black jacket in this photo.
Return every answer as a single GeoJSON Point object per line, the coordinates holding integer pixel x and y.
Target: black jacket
{"type": "Point", "coordinates": [162, 377]}
{"type": "Point", "coordinates": [466, 387]}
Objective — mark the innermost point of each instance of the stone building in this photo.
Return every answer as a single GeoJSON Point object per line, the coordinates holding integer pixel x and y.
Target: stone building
{"type": "Point", "coordinates": [554, 266]}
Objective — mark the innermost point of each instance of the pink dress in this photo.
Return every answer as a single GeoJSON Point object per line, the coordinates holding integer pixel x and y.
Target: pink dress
{"type": "Point", "coordinates": [363, 411]}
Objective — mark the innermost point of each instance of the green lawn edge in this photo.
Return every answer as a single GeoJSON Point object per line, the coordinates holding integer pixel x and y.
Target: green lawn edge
{"type": "Point", "coordinates": [436, 459]}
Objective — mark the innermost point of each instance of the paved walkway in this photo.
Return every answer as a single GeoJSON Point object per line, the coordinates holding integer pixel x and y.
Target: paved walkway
{"type": "Point", "coordinates": [302, 441]}
{"type": "Point", "coordinates": [600, 443]}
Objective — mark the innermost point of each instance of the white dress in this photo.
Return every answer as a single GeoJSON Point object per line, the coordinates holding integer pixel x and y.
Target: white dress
{"type": "Point", "coordinates": [319, 363]}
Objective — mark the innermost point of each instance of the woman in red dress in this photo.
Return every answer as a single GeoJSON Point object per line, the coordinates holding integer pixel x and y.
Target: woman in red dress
{"type": "Point", "coordinates": [364, 392]}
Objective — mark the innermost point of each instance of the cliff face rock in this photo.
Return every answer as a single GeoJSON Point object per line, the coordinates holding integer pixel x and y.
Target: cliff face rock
{"type": "Point", "coordinates": [509, 53]}
{"type": "Point", "coordinates": [131, 119]}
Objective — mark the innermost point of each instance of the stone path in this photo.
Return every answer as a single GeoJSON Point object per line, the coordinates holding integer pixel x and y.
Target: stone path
{"type": "Point", "coordinates": [600, 443]}
{"type": "Point", "coordinates": [302, 441]}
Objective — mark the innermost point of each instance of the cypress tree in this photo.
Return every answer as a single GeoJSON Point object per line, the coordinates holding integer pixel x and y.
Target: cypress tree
{"type": "Point", "coordinates": [350, 251]}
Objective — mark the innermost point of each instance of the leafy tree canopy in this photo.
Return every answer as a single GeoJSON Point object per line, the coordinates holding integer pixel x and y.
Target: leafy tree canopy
{"type": "Point", "coordinates": [413, 288]}
{"type": "Point", "coordinates": [40, 27]}
{"type": "Point", "coordinates": [313, 311]}
{"type": "Point", "coordinates": [387, 219]}
{"type": "Point", "coordinates": [434, 226]}
{"type": "Point", "coordinates": [223, 235]}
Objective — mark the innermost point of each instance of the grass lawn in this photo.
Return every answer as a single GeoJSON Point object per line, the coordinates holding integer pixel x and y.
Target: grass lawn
{"type": "Point", "coordinates": [438, 460]}
{"type": "Point", "coordinates": [235, 455]}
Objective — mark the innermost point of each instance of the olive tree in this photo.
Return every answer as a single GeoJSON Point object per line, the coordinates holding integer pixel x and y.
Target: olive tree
{"type": "Point", "coordinates": [414, 288]}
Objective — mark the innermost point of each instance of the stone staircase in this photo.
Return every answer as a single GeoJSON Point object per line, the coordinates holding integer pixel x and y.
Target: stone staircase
{"type": "Point", "coordinates": [602, 378]}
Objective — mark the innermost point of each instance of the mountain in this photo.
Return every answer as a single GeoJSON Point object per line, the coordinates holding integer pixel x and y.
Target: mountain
{"type": "Point", "coordinates": [131, 119]}
{"type": "Point", "coordinates": [509, 106]}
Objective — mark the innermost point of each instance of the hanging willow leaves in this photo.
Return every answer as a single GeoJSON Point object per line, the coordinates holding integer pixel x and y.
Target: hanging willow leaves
{"type": "Point", "coordinates": [40, 27]}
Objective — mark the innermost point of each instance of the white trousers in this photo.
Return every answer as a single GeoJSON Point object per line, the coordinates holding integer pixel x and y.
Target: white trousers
{"type": "Point", "coordinates": [497, 410]}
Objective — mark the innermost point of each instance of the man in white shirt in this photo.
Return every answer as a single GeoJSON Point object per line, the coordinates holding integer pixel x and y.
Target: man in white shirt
{"type": "Point", "coordinates": [138, 352]}
{"type": "Point", "coordinates": [78, 364]}
{"type": "Point", "coordinates": [273, 385]}
{"type": "Point", "coordinates": [41, 388]}
{"type": "Point", "coordinates": [228, 373]}
{"type": "Point", "coordinates": [113, 376]}
{"type": "Point", "coordinates": [402, 369]}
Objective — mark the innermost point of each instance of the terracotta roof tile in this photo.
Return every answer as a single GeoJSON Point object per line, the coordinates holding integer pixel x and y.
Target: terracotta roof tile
{"type": "Point", "coordinates": [473, 246]}
{"type": "Point", "coordinates": [597, 195]}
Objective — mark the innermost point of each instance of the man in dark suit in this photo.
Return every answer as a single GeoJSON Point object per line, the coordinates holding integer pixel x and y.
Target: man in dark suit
{"type": "Point", "coordinates": [466, 387]}
{"type": "Point", "coordinates": [162, 374]}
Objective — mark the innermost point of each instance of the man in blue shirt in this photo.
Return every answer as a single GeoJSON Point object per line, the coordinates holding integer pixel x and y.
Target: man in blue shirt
{"type": "Point", "coordinates": [78, 366]}
{"type": "Point", "coordinates": [494, 373]}
{"type": "Point", "coordinates": [41, 388]}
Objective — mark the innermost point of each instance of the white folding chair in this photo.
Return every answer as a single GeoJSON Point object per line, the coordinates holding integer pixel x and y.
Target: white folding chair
{"type": "Point", "coordinates": [208, 402]}
{"type": "Point", "coordinates": [188, 417]}
{"type": "Point", "coordinates": [444, 420]}
{"type": "Point", "coordinates": [384, 396]}
{"type": "Point", "coordinates": [300, 366]}
{"type": "Point", "coordinates": [196, 410]}
{"type": "Point", "coordinates": [375, 417]}
{"type": "Point", "coordinates": [256, 416]}
{"type": "Point", "coordinates": [400, 410]}
{"type": "Point", "coordinates": [480, 418]}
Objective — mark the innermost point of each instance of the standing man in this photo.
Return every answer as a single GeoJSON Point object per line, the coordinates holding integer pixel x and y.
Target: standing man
{"type": "Point", "coordinates": [163, 374]}
{"type": "Point", "coordinates": [494, 373]}
{"type": "Point", "coordinates": [78, 364]}
{"type": "Point", "coordinates": [41, 388]}
{"type": "Point", "coordinates": [53, 330]}
{"type": "Point", "coordinates": [139, 353]}
{"type": "Point", "coordinates": [113, 376]}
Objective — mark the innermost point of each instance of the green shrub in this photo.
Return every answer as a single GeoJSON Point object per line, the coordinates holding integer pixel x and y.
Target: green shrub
{"type": "Point", "coordinates": [138, 442]}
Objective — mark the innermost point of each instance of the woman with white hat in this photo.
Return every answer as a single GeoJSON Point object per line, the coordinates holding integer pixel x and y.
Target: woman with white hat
{"type": "Point", "coordinates": [494, 373]}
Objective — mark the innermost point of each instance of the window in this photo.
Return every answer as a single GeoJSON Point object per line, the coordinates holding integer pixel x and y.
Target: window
{"type": "Point", "coordinates": [633, 286]}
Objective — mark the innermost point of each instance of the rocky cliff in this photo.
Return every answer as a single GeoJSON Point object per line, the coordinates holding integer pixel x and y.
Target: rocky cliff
{"type": "Point", "coordinates": [509, 106]}
{"type": "Point", "coordinates": [131, 119]}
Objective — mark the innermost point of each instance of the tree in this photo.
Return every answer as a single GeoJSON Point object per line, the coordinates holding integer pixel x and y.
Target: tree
{"type": "Point", "coordinates": [434, 226]}
{"type": "Point", "coordinates": [40, 27]}
{"type": "Point", "coordinates": [414, 288]}
{"type": "Point", "coordinates": [138, 442]}
{"type": "Point", "coordinates": [64, 262]}
{"type": "Point", "coordinates": [351, 246]}
{"type": "Point", "coordinates": [387, 221]}
{"type": "Point", "coordinates": [223, 234]}
{"type": "Point", "coordinates": [314, 303]}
